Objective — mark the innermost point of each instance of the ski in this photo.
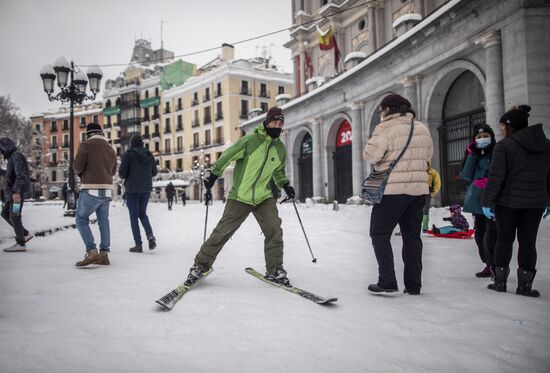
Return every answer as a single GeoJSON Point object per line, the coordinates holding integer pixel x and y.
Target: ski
{"type": "Point", "coordinates": [303, 293]}
{"type": "Point", "coordinates": [168, 301]}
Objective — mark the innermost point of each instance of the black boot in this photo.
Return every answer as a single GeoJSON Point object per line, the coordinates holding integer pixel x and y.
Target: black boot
{"type": "Point", "coordinates": [501, 275]}
{"type": "Point", "coordinates": [525, 281]}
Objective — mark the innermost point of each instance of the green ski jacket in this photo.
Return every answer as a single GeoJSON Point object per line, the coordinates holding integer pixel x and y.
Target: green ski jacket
{"type": "Point", "coordinates": [259, 160]}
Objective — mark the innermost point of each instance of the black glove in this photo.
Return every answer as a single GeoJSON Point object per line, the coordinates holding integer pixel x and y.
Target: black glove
{"type": "Point", "coordinates": [209, 181]}
{"type": "Point", "coordinates": [289, 190]}
{"type": "Point", "coordinates": [446, 219]}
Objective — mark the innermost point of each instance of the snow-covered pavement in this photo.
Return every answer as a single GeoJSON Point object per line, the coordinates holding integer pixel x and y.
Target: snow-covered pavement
{"type": "Point", "coordinates": [58, 318]}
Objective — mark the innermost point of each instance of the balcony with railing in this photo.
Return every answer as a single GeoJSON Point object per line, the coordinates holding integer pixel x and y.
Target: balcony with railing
{"type": "Point", "coordinates": [179, 150]}
{"type": "Point", "coordinates": [195, 123]}
{"type": "Point", "coordinates": [167, 129]}
{"type": "Point", "coordinates": [245, 91]}
{"type": "Point", "coordinates": [207, 119]}
{"type": "Point", "coordinates": [179, 127]}
{"type": "Point", "coordinates": [218, 93]}
{"type": "Point", "coordinates": [66, 145]}
{"type": "Point", "coordinates": [264, 94]}
{"type": "Point", "coordinates": [194, 102]}
{"type": "Point", "coordinates": [243, 115]}
{"type": "Point", "coordinates": [219, 116]}
{"type": "Point", "coordinates": [155, 135]}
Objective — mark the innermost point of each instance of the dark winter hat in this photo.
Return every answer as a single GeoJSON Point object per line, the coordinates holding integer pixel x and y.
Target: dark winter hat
{"type": "Point", "coordinates": [394, 100]}
{"type": "Point", "coordinates": [481, 128]}
{"type": "Point", "coordinates": [516, 117]}
{"type": "Point", "coordinates": [455, 209]}
{"type": "Point", "coordinates": [93, 129]}
{"type": "Point", "coordinates": [136, 140]}
{"type": "Point", "coordinates": [274, 113]}
{"type": "Point", "coordinates": [7, 146]}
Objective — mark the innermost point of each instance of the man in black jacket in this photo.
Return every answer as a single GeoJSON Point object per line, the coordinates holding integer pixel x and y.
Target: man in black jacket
{"type": "Point", "coordinates": [137, 169]}
{"type": "Point", "coordinates": [170, 193]}
{"type": "Point", "coordinates": [517, 195]}
{"type": "Point", "coordinates": [17, 186]}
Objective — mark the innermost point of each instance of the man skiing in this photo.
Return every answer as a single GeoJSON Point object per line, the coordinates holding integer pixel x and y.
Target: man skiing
{"type": "Point", "coordinates": [260, 160]}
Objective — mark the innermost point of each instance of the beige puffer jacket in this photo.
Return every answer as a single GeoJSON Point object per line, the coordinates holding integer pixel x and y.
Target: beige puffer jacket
{"type": "Point", "coordinates": [388, 139]}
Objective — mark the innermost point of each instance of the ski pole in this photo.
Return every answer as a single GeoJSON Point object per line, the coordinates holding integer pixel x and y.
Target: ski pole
{"type": "Point", "coordinates": [205, 223]}
{"type": "Point", "coordinates": [303, 230]}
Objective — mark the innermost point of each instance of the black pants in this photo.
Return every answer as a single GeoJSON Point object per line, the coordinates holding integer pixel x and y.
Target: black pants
{"type": "Point", "coordinates": [170, 202]}
{"type": "Point", "coordinates": [406, 211]}
{"type": "Point", "coordinates": [526, 223]}
{"type": "Point", "coordinates": [15, 222]}
{"type": "Point", "coordinates": [486, 237]}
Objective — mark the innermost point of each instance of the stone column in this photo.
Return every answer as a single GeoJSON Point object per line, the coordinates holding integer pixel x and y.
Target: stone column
{"type": "Point", "coordinates": [371, 27]}
{"type": "Point", "coordinates": [411, 91]}
{"type": "Point", "coordinates": [494, 88]}
{"type": "Point", "coordinates": [357, 146]}
{"type": "Point", "coordinates": [290, 157]}
{"type": "Point", "coordinates": [302, 87]}
{"type": "Point", "coordinates": [316, 161]}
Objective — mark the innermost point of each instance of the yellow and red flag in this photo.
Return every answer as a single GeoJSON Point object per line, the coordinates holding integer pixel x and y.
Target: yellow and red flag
{"type": "Point", "coordinates": [326, 40]}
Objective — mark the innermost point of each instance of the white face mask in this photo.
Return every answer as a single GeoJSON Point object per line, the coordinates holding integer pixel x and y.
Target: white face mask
{"type": "Point", "coordinates": [483, 143]}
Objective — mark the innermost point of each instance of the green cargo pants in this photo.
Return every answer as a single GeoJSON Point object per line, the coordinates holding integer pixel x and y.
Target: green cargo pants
{"type": "Point", "coordinates": [234, 215]}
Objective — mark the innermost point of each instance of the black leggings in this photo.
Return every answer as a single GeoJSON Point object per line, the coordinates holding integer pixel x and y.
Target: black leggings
{"type": "Point", "coordinates": [526, 223]}
{"type": "Point", "coordinates": [486, 237]}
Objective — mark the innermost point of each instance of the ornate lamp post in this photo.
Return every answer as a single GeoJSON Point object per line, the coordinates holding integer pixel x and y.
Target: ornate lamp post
{"type": "Point", "coordinates": [73, 91]}
{"type": "Point", "coordinates": [200, 166]}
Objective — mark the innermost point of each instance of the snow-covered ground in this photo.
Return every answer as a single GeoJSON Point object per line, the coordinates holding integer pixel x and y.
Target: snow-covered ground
{"type": "Point", "coordinates": [57, 318]}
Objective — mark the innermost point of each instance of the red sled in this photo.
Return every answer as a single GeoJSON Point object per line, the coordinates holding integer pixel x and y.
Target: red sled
{"type": "Point", "coordinates": [465, 234]}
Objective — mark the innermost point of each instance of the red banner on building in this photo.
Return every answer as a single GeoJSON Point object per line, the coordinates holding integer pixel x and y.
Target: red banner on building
{"type": "Point", "coordinates": [343, 137]}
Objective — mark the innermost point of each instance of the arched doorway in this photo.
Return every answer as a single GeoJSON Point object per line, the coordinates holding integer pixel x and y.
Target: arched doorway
{"type": "Point", "coordinates": [305, 168]}
{"type": "Point", "coordinates": [342, 163]}
{"type": "Point", "coordinates": [462, 110]}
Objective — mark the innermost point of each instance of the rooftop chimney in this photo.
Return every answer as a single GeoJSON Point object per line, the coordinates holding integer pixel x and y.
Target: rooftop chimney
{"type": "Point", "coordinates": [228, 52]}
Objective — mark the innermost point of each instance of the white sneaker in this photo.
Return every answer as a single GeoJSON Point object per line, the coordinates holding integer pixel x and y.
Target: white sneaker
{"type": "Point", "coordinates": [15, 248]}
{"type": "Point", "coordinates": [28, 237]}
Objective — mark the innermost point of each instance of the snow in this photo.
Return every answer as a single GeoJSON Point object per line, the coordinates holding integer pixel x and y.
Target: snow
{"type": "Point", "coordinates": [57, 318]}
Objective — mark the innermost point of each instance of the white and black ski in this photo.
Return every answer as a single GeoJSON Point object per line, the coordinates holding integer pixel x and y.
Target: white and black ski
{"type": "Point", "coordinates": [303, 293]}
{"type": "Point", "coordinates": [168, 301]}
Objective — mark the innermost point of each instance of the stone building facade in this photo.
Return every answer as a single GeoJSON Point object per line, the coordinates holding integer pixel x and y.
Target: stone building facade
{"type": "Point", "coordinates": [459, 62]}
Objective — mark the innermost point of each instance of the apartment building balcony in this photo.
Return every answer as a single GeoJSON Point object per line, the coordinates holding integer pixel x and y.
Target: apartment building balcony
{"type": "Point", "coordinates": [218, 94]}
{"type": "Point", "coordinates": [219, 117]}
{"type": "Point", "coordinates": [243, 115]}
{"type": "Point", "coordinates": [179, 128]}
{"type": "Point", "coordinates": [205, 98]}
{"type": "Point", "coordinates": [167, 130]}
{"type": "Point", "coordinates": [194, 102]}
{"type": "Point", "coordinates": [65, 127]}
{"type": "Point", "coordinates": [245, 92]}
{"type": "Point", "coordinates": [167, 111]}
{"type": "Point", "coordinates": [195, 123]}
{"type": "Point", "coordinates": [207, 120]}
{"type": "Point", "coordinates": [264, 95]}
{"type": "Point", "coordinates": [155, 136]}
{"type": "Point", "coordinates": [108, 125]}
{"type": "Point", "coordinates": [53, 146]}
{"type": "Point", "coordinates": [66, 145]}
{"type": "Point", "coordinates": [179, 151]}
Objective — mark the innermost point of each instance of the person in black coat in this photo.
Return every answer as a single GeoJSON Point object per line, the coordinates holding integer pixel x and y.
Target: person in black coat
{"type": "Point", "coordinates": [137, 169]}
{"type": "Point", "coordinates": [517, 195]}
{"type": "Point", "coordinates": [17, 187]}
{"type": "Point", "coordinates": [170, 193]}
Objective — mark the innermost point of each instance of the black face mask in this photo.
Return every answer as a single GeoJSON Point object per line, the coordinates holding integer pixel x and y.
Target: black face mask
{"type": "Point", "coordinates": [274, 133]}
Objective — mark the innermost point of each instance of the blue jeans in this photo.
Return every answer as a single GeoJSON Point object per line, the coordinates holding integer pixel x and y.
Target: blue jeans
{"type": "Point", "coordinates": [137, 207]}
{"type": "Point", "coordinates": [86, 205]}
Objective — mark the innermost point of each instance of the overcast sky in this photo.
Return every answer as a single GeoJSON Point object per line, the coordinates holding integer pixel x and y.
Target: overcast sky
{"type": "Point", "coordinates": [35, 33]}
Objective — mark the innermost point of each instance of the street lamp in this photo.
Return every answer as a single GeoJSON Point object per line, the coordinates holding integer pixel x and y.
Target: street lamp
{"type": "Point", "coordinates": [73, 91]}
{"type": "Point", "coordinates": [200, 166]}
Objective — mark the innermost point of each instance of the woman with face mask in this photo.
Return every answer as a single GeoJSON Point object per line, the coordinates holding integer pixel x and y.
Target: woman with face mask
{"type": "Point", "coordinates": [475, 168]}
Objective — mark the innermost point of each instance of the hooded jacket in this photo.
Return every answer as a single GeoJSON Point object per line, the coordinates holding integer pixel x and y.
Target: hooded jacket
{"type": "Point", "coordinates": [388, 139]}
{"type": "Point", "coordinates": [519, 175]}
{"type": "Point", "coordinates": [17, 171]}
{"type": "Point", "coordinates": [259, 161]}
{"type": "Point", "coordinates": [137, 169]}
{"type": "Point", "coordinates": [434, 180]}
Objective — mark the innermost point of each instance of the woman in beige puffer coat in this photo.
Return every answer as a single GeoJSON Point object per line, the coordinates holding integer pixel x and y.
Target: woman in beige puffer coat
{"type": "Point", "coordinates": [404, 195]}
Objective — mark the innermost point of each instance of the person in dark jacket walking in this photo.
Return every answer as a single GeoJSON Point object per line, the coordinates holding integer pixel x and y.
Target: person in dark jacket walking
{"type": "Point", "coordinates": [170, 193]}
{"type": "Point", "coordinates": [138, 168]}
{"type": "Point", "coordinates": [517, 195]}
{"type": "Point", "coordinates": [475, 168]}
{"type": "Point", "coordinates": [17, 187]}
{"type": "Point", "coordinates": [183, 196]}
